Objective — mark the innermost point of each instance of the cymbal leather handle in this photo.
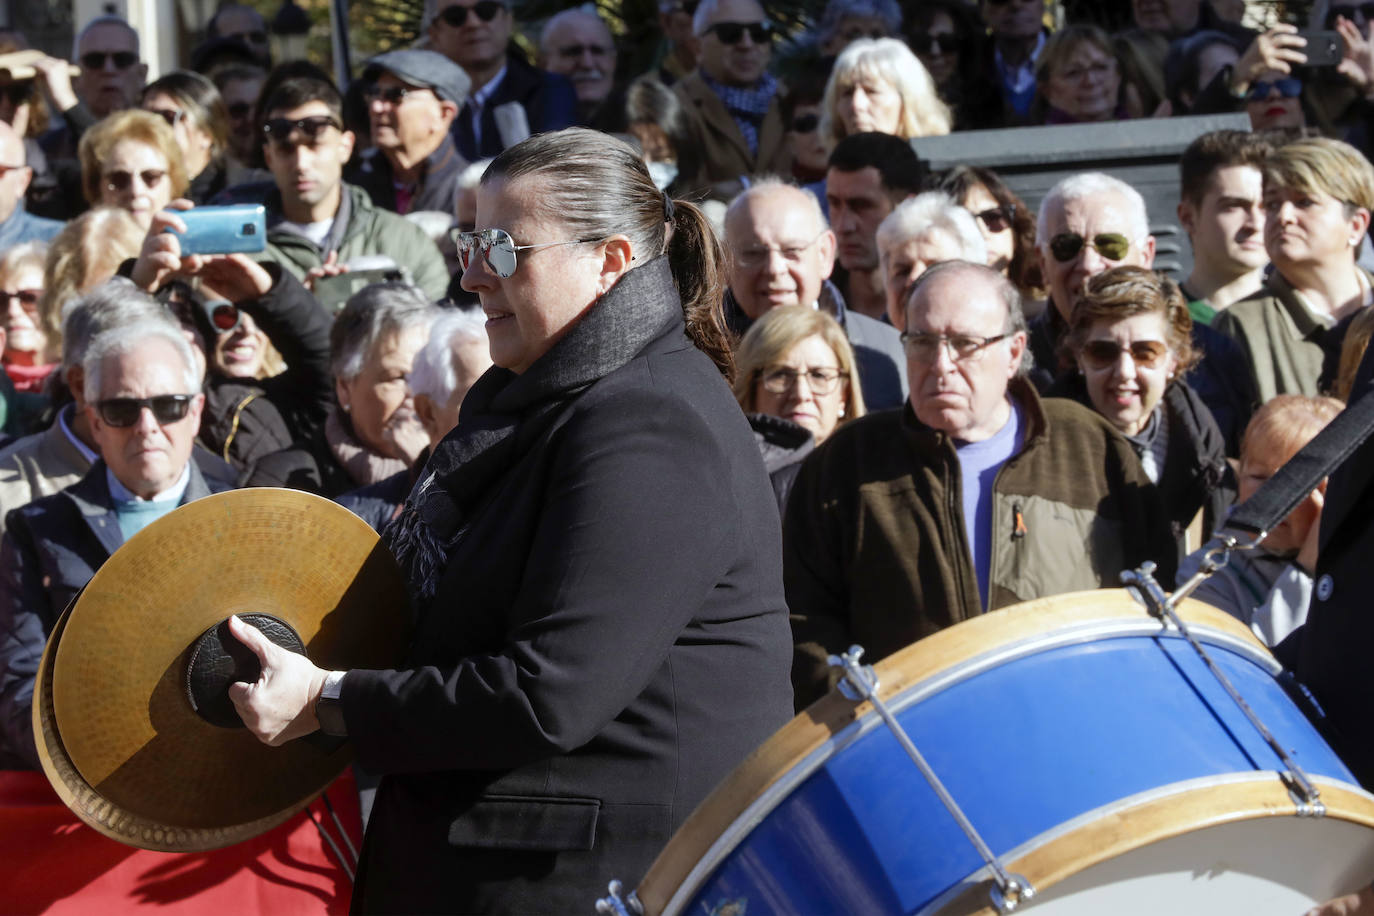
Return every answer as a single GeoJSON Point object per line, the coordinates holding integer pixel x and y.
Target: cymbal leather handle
{"type": "Point", "coordinates": [217, 659]}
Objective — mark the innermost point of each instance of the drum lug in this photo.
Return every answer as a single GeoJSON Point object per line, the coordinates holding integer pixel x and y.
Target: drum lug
{"type": "Point", "coordinates": [860, 682]}
{"type": "Point", "coordinates": [618, 903]}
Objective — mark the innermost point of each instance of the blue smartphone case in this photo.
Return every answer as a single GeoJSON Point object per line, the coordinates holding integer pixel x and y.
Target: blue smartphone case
{"type": "Point", "coordinates": [238, 228]}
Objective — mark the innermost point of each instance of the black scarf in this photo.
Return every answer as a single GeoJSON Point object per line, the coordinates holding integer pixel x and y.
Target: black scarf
{"type": "Point", "coordinates": [504, 413]}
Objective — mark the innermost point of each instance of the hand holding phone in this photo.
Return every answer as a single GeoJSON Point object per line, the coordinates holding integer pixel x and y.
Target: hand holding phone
{"type": "Point", "coordinates": [233, 229]}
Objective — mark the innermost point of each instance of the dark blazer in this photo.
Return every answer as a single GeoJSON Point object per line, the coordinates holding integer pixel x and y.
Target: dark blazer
{"type": "Point", "coordinates": [608, 640]}
{"type": "Point", "coordinates": [549, 100]}
{"type": "Point", "coordinates": [50, 550]}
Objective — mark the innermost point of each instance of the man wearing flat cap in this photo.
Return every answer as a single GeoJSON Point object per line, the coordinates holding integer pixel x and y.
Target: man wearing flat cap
{"type": "Point", "coordinates": [412, 99]}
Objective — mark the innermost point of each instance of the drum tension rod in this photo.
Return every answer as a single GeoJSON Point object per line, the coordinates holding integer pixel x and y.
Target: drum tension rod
{"type": "Point", "coordinates": [860, 683]}
{"type": "Point", "coordinates": [1142, 584]}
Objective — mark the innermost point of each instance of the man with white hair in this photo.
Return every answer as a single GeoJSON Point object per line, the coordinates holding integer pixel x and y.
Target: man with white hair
{"type": "Point", "coordinates": [924, 230]}
{"type": "Point", "coordinates": [17, 225]}
{"type": "Point", "coordinates": [142, 393]}
{"type": "Point", "coordinates": [578, 44]}
{"type": "Point", "coordinates": [455, 356]}
{"type": "Point", "coordinates": [1089, 222]}
{"type": "Point", "coordinates": [510, 99]}
{"type": "Point", "coordinates": [734, 119]}
{"type": "Point", "coordinates": [782, 253]}
{"type": "Point", "coordinates": [976, 496]}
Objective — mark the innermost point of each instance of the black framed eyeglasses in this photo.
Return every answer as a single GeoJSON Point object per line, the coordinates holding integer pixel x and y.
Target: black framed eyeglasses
{"type": "Point", "coordinates": [1103, 354]}
{"type": "Point", "coordinates": [731, 33]}
{"type": "Point", "coordinates": [497, 248]}
{"type": "Point", "coordinates": [311, 130]}
{"type": "Point", "coordinates": [925, 348]}
{"type": "Point", "coordinates": [124, 412]}
{"type": "Point", "coordinates": [392, 95]}
{"type": "Point", "coordinates": [1111, 245]}
{"type": "Point", "coordinates": [484, 10]}
{"type": "Point", "coordinates": [997, 219]}
{"type": "Point", "coordinates": [95, 60]}
{"type": "Point", "coordinates": [820, 380]}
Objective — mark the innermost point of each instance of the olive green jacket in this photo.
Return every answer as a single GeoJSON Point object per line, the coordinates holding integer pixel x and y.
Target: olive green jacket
{"type": "Point", "coordinates": [874, 546]}
{"type": "Point", "coordinates": [1285, 341]}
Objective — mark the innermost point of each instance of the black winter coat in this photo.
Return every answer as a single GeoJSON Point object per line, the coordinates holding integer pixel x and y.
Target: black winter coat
{"type": "Point", "coordinates": [608, 638]}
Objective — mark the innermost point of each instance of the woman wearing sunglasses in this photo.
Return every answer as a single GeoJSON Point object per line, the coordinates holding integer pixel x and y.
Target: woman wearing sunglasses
{"type": "Point", "coordinates": [879, 85]}
{"type": "Point", "coordinates": [28, 357]}
{"type": "Point", "coordinates": [191, 106]}
{"type": "Point", "coordinates": [1007, 225]}
{"type": "Point", "coordinates": [131, 160]}
{"type": "Point", "coordinates": [593, 558]}
{"type": "Point", "coordinates": [948, 38]}
{"type": "Point", "coordinates": [1130, 340]}
{"type": "Point", "coordinates": [1318, 196]}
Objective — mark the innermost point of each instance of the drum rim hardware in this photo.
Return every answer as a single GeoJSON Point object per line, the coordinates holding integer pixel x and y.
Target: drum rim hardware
{"type": "Point", "coordinates": [1141, 583]}
{"type": "Point", "coordinates": [860, 683]}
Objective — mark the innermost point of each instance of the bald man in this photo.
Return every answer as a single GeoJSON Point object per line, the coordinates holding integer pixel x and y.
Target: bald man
{"type": "Point", "coordinates": [17, 225]}
{"type": "Point", "coordinates": [577, 43]}
{"type": "Point", "coordinates": [782, 253]}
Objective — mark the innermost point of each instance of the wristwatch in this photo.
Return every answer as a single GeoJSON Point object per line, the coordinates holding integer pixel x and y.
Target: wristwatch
{"type": "Point", "coordinates": [329, 708]}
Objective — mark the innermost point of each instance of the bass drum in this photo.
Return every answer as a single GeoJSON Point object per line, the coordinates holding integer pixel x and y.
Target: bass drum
{"type": "Point", "coordinates": [1085, 741]}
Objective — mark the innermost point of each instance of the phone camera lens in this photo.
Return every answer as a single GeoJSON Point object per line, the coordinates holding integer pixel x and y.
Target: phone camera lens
{"type": "Point", "coordinates": [250, 229]}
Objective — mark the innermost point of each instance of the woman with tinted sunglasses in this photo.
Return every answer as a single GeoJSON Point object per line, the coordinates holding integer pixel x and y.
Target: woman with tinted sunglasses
{"type": "Point", "coordinates": [1007, 225]}
{"type": "Point", "coordinates": [28, 356]}
{"type": "Point", "coordinates": [600, 506]}
{"type": "Point", "coordinates": [191, 106]}
{"type": "Point", "coordinates": [131, 160]}
{"type": "Point", "coordinates": [1130, 340]}
{"type": "Point", "coordinates": [949, 39]}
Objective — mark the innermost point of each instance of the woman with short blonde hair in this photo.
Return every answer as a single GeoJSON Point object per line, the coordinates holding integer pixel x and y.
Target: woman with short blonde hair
{"type": "Point", "coordinates": [131, 160]}
{"type": "Point", "coordinates": [879, 85]}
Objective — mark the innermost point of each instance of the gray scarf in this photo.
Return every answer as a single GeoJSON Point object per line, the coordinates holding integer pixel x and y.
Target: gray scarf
{"type": "Point", "coordinates": [504, 414]}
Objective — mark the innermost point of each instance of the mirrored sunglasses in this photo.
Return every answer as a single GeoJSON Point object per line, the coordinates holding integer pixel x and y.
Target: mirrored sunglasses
{"type": "Point", "coordinates": [1103, 354]}
{"type": "Point", "coordinates": [497, 248]}
{"type": "Point", "coordinates": [311, 129]}
{"type": "Point", "coordinates": [1289, 87]}
{"type": "Point", "coordinates": [124, 412]}
{"type": "Point", "coordinates": [223, 315]}
{"type": "Point", "coordinates": [95, 60]}
{"type": "Point", "coordinates": [485, 10]}
{"type": "Point", "coordinates": [1111, 245]}
{"type": "Point", "coordinates": [731, 33]}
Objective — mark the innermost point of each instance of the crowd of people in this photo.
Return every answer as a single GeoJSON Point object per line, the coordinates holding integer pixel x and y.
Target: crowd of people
{"type": "Point", "coordinates": [539, 319]}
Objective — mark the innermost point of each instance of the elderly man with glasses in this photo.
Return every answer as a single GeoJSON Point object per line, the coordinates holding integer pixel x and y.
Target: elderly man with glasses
{"type": "Point", "coordinates": [412, 99]}
{"type": "Point", "coordinates": [143, 400]}
{"type": "Point", "coordinates": [977, 495]}
{"type": "Point", "coordinates": [17, 225]}
{"type": "Point", "coordinates": [734, 119]}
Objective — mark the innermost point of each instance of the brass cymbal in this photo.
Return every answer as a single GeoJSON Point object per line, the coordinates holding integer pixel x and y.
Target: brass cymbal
{"type": "Point", "coordinates": [115, 727]}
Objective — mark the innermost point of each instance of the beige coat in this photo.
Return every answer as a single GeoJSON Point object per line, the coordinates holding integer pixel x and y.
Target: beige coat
{"type": "Point", "coordinates": [38, 465]}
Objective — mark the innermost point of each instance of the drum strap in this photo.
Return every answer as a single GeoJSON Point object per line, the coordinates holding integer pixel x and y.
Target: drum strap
{"type": "Point", "coordinates": [1280, 494]}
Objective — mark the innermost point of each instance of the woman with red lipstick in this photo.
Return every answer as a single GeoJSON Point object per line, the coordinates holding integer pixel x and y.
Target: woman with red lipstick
{"type": "Point", "coordinates": [1130, 336]}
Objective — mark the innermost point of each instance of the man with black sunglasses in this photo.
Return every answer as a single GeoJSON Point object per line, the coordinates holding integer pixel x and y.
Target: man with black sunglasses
{"type": "Point", "coordinates": [111, 78]}
{"type": "Point", "coordinates": [142, 389]}
{"type": "Point", "coordinates": [734, 119]}
{"type": "Point", "coordinates": [510, 99]}
{"type": "Point", "coordinates": [317, 223]}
